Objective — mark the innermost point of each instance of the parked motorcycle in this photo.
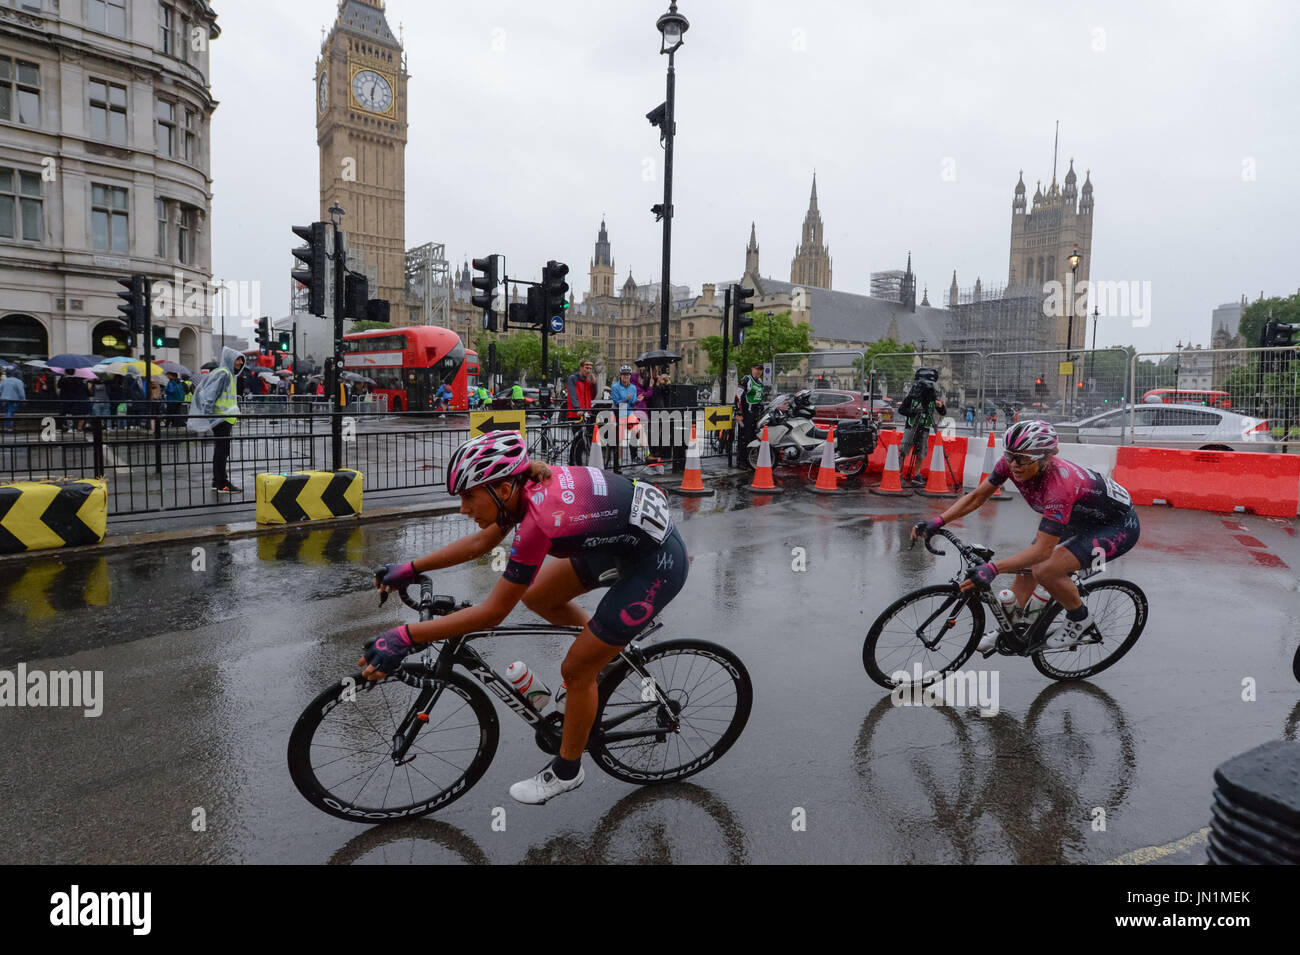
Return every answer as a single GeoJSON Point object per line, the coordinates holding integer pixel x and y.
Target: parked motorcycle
{"type": "Point", "coordinates": [796, 440]}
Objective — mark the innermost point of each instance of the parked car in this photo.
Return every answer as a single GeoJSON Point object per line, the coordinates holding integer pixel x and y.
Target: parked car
{"type": "Point", "coordinates": [505, 402]}
{"type": "Point", "coordinates": [832, 405]}
{"type": "Point", "coordinates": [1173, 426]}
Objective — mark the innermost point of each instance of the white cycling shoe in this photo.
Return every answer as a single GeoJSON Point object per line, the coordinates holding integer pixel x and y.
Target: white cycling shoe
{"type": "Point", "coordinates": [545, 785]}
{"type": "Point", "coordinates": [1071, 634]}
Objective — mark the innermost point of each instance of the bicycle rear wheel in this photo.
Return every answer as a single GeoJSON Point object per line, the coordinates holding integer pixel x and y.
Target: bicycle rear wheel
{"type": "Point", "coordinates": [1119, 610]}
{"type": "Point", "coordinates": [895, 644]}
{"type": "Point", "coordinates": [708, 693]}
{"type": "Point", "coordinates": [340, 751]}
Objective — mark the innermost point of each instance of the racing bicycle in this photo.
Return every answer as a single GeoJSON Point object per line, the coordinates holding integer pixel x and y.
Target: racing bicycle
{"type": "Point", "coordinates": [417, 740]}
{"type": "Point", "coordinates": [940, 626]}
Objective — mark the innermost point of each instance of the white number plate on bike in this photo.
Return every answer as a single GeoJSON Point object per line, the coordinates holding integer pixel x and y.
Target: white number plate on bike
{"type": "Point", "coordinates": [650, 512]}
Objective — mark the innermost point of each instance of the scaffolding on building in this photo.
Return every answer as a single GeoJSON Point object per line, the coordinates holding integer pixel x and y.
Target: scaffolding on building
{"type": "Point", "coordinates": [1002, 320]}
{"type": "Point", "coordinates": [428, 278]}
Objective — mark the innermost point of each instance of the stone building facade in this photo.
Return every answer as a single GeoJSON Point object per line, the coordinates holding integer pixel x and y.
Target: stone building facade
{"type": "Point", "coordinates": [105, 112]}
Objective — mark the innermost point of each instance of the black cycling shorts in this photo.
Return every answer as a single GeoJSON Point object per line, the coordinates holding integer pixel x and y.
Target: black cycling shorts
{"type": "Point", "coordinates": [1107, 542]}
{"type": "Point", "coordinates": [639, 587]}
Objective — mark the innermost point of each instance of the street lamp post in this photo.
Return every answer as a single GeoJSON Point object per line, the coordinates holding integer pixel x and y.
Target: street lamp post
{"type": "Point", "coordinates": [1092, 356]}
{"type": "Point", "coordinates": [671, 25]}
{"type": "Point", "coordinates": [1069, 326]}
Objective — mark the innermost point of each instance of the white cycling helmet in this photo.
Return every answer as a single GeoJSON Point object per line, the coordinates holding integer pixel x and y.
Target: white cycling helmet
{"type": "Point", "coordinates": [1030, 437]}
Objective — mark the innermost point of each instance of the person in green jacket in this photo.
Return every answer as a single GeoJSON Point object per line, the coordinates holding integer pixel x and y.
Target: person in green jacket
{"type": "Point", "coordinates": [517, 396]}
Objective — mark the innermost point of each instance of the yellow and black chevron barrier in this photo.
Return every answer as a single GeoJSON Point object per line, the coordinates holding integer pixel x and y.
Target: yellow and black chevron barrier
{"type": "Point", "coordinates": [308, 496]}
{"type": "Point", "coordinates": [39, 514]}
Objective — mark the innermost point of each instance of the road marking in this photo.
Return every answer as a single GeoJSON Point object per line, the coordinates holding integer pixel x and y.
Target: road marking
{"type": "Point", "coordinates": [1149, 854]}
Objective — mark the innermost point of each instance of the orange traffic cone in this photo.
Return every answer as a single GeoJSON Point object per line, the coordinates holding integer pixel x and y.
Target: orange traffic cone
{"type": "Point", "coordinates": [763, 471]}
{"type": "Point", "coordinates": [597, 457]}
{"type": "Point", "coordinates": [989, 455]}
{"type": "Point", "coordinates": [937, 484]}
{"type": "Point", "coordinates": [692, 483]}
{"type": "Point", "coordinates": [891, 484]}
{"type": "Point", "coordinates": [827, 482]}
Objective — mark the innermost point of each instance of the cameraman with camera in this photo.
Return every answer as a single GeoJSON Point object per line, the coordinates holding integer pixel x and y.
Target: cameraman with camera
{"type": "Point", "coordinates": [922, 407]}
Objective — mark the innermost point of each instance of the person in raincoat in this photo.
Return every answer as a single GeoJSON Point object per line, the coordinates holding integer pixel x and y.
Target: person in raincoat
{"type": "Point", "coordinates": [213, 409]}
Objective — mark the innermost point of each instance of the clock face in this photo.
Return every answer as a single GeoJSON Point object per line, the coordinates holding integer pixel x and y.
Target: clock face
{"type": "Point", "coordinates": [323, 97]}
{"type": "Point", "coordinates": [372, 91]}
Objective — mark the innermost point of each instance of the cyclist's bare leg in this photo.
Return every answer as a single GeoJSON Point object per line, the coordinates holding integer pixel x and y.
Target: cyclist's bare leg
{"type": "Point", "coordinates": [1022, 587]}
{"type": "Point", "coordinates": [551, 594]}
{"type": "Point", "coordinates": [1054, 574]}
{"type": "Point", "coordinates": [583, 663]}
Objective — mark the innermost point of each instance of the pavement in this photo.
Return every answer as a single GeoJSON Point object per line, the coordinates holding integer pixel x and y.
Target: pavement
{"type": "Point", "coordinates": [210, 649]}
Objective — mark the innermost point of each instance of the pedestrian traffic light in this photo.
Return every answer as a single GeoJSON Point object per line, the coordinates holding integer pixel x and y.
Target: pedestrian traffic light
{"type": "Point", "coordinates": [286, 341]}
{"type": "Point", "coordinates": [555, 288]}
{"type": "Point", "coordinates": [137, 307]}
{"type": "Point", "coordinates": [263, 333]}
{"type": "Point", "coordinates": [159, 337]}
{"type": "Point", "coordinates": [485, 286]}
{"type": "Point", "coordinates": [741, 318]}
{"type": "Point", "coordinates": [312, 257]}
{"type": "Point", "coordinates": [1040, 387]}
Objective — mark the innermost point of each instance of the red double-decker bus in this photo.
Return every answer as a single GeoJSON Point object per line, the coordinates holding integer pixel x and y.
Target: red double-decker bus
{"type": "Point", "coordinates": [1175, 396]}
{"type": "Point", "coordinates": [409, 365]}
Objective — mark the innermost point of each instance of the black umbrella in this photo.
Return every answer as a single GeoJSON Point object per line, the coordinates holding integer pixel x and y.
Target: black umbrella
{"type": "Point", "coordinates": [209, 365]}
{"type": "Point", "coordinates": [659, 356]}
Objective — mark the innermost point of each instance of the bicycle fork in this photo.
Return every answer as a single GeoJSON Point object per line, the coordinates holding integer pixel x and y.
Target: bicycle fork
{"type": "Point", "coordinates": [415, 720]}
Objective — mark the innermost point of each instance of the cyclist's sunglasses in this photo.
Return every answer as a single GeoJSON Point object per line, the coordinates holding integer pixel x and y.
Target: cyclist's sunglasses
{"type": "Point", "coordinates": [1022, 460]}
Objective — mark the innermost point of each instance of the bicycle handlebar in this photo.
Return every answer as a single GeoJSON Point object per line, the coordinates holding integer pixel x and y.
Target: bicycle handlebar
{"type": "Point", "coordinates": [438, 605]}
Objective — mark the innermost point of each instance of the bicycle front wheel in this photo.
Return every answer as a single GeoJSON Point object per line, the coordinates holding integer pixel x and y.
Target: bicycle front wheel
{"type": "Point", "coordinates": [935, 615]}
{"type": "Point", "coordinates": [640, 738]}
{"type": "Point", "coordinates": [341, 748]}
{"type": "Point", "coordinates": [1119, 611]}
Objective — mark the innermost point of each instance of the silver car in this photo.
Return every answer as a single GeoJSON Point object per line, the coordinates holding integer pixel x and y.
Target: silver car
{"type": "Point", "coordinates": [1173, 426]}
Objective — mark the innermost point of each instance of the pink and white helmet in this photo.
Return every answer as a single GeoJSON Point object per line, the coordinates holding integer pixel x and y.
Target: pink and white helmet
{"type": "Point", "coordinates": [1030, 437]}
{"type": "Point", "coordinates": [489, 457]}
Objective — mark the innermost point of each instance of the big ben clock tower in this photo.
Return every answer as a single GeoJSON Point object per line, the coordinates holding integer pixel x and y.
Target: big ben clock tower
{"type": "Point", "coordinates": [361, 130]}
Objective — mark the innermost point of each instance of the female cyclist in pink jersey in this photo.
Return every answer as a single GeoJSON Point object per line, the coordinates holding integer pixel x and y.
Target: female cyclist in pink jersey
{"type": "Point", "coordinates": [614, 532]}
{"type": "Point", "coordinates": [1085, 515]}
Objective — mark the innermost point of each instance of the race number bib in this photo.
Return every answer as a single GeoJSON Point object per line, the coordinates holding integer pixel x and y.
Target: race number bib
{"type": "Point", "coordinates": [650, 512]}
{"type": "Point", "coordinates": [1117, 493]}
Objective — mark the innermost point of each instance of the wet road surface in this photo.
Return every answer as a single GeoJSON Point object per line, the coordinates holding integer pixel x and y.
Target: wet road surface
{"type": "Point", "coordinates": [207, 664]}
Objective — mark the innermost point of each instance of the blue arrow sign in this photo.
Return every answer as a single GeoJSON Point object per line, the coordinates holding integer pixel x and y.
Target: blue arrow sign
{"type": "Point", "coordinates": [557, 323]}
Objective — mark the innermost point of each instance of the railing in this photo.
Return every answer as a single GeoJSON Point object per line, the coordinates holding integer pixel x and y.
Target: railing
{"type": "Point", "coordinates": [158, 464]}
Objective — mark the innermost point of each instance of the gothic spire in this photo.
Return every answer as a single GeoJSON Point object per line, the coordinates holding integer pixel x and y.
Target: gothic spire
{"type": "Point", "coordinates": [753, 240]}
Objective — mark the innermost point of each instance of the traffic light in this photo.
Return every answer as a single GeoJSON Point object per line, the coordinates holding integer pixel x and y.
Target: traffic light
{"type": "Point", "coordinates": [377, 310]}
{"type": "Point", "coordinates": [356, 293]}
{"type": "Point", "coordinates": [741, 319]}
{"type": "Point", "coordinates": [312, 274]}
{"type": "Point", "coordinates": [263, 333]}
{"type": "Point", "coordinates": [485, 286]}
{"type": "Point", "coordinates": [137, 307]}
{"type": "Point", "coordinates": [1040, 387]}
{"type": "Point", "coordinates": [286, 341]}
{"type": "Point", "coordinates": [159, 337]}
{"type": "Point", "coordinates": [555, 289]}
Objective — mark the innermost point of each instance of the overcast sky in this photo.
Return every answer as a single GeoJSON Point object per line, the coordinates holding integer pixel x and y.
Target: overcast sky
{"type": "Point", "coordinates": [1185, 113]}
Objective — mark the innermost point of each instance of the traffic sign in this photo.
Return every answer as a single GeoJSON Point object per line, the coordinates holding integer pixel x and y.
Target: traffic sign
{"type": "Point", "coordinates": [1065, 368]}
{"type": "Point", "coordinates": [481, 422]}
{"type": "Point", "coordinates": [557, 324]}
{"type": "Point", "coordinates": [717, 418]}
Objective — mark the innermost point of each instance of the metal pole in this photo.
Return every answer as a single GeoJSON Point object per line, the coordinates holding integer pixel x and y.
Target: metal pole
{"type": "Point", "coordinates": [336, 383]}
{"type": "Point", "coordinates": [669, 128]}
{"type": "Point", "coordinates": [297, 372]}
{"type": "Point", "coordinates": [726, 342]}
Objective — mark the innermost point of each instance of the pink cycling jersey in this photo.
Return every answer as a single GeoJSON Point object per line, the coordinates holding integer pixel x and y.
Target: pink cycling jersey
{"type": "Point", "coordinates": [1069, 497]}
{"type": "Point", "coordinates": [580, 511]}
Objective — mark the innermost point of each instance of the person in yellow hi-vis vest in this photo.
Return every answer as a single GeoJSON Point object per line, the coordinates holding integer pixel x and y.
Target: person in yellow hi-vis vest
{"type": "Point", "coordinates": [213, 409]}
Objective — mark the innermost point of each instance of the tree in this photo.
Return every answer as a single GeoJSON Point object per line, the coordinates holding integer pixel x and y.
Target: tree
{"type": "Point", "coordinates": [769, 335]}
{"type": "Point", "coordinates": [1256, 314]}
{"type": "Point", "coordinates": [365, 325]}
{"type": "Point", "coordinates": [893, 372]}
